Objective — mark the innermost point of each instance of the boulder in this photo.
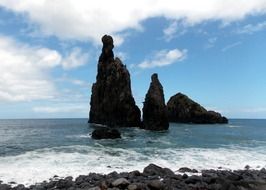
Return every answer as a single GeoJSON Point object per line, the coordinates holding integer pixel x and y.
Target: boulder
{"type": "Point", "coordinates": [182, 109]}
{"type": "Point", "coordinates": [112, 102]}
{"type": "Point", "coordinates": [186, 169]}
{"type": "Point", "coordinates": [155, 185]}
{"type": "Point", "coordinates": [121, 182]}
{"type": "Point", "coordinates": [154, 108]}
{"type": "Point", "coordinates": [154, 170]}
{"type": "Point", "coordinates": [105, 133]}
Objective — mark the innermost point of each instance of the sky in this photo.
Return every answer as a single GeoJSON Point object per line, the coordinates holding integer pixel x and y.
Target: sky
{"type": "Point", "coordinates": [211, 50]}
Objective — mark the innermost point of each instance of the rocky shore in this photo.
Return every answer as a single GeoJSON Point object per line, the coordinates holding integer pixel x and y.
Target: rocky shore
{"type": "Point", "coordinates": [156, 178]}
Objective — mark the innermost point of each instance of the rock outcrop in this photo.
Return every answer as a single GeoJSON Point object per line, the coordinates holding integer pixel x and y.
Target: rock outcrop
{"type": "Point", "coordinates": [182, 109]}
{"type": "Point", "coordinates": [105, 133]}
{"type": "Point", "coordinates": [112, 102]}
{"type": "Point", "coordinates": [154, 108]}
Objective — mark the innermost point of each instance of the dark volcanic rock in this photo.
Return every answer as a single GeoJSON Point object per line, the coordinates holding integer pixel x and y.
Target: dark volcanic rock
{"type": "Point", "coordinates": [157, 178]}
{"type": "Point", "coordinates": [184, 110]}
{"type": "Point", "coordinates": [154, 170]}
{"type": "Point", "coordinates": [154, 109]}
{"type": "Point", "coordinates": [112, 102]}
{"type": "Point", "coordinates": [105, 133]}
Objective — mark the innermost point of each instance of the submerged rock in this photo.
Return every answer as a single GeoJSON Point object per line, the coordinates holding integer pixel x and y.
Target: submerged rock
{"type": "Point", "coordinates": [184, 110]}
{"type": "Point", "coordinates": [154, 109]}
{"type": "Point", "coordinates": [112, 102]}
{"type": "Point", "coordinates": [105, 133]}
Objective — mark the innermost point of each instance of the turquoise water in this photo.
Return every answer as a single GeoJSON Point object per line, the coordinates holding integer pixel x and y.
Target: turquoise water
{"type": "Point", "coordinates": [35, 150]}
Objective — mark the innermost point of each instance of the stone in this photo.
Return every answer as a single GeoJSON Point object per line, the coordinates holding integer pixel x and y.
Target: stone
{"type": "Point", "coordinates": [112, 103]}
{"type": "Point", "coordinates": [185, 169]}
{"type": "Point", "coordinates": [105, 133]}
{"type": "Point", "coordinates": [182, 109]}
{"type": "Point", "coordinates": [132, 187]}
{"type": "Point", "coordinates": [121, 182]}
{"type": "Point", "coordinates": [95, 188]}
{"type": "Point", "coordinates": [5, 187]}
{"type": "Point", "coordinates": [155, 185]}
{"type": "Point", "coordinates": [193, 179]}
{"type": "Point", "coordinates": [64, 183]}
{"type": "Point", "coordinates": [153, 169]}
{"type": "Point", "coordinates": [154, 108]}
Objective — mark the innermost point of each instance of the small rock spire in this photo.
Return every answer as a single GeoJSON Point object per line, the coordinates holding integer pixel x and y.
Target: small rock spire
{"type": "Point", "coordinates": [107, 49]}
{"type": "Point", "coordinates": [154, 109]}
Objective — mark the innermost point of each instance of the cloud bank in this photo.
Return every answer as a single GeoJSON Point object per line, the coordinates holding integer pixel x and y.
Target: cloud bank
{"type": "Point", "coordinates": [24, 70]}
{"type": "Point", "coordinates": [164, 58]}
{"type": "Point", "coordinates": [81, 19]}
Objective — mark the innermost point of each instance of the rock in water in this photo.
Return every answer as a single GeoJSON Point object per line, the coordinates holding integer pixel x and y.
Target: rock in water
{"type": "Point", "coordinates": [154, 109]}
{"type": "Point", "coordinates": [105, 133]}
{"type": "Point", "coordinates": [184, 110]}
{"type": "Point", "coordinates": [112, 102]}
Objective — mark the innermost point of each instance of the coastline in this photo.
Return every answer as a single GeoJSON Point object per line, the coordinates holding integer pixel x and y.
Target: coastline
{"type": "Point", "coordinates": [154, 177]}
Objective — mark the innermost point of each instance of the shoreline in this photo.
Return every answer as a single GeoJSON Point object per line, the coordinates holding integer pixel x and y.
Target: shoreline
{"type": "Point", "coordinates": [154, 177]}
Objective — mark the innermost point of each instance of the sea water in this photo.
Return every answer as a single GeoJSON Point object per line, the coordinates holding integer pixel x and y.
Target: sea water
{"type": "Point", "coordinates": [33, 150]}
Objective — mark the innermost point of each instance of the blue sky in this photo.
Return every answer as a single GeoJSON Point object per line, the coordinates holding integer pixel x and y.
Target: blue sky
{"type": "Point", "coordinates": [213, 51]}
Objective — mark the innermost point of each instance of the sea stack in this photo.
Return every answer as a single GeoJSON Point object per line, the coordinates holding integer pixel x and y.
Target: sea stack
{"type": "Point", "coordinates": [154, 109]}
{"type": "Point", "coordinates": [182, 109]}
{"type": "Point", "coordinates": [112, 103]}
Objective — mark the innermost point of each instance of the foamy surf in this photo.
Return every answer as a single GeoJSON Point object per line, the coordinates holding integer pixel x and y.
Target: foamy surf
{"type": "Point", "coordinates": [39, 165]}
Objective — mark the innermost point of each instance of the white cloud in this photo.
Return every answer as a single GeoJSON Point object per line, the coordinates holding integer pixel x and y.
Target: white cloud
{"type": "Point", "coordinates": [81, 19]}
{"type": "Point", "coordinates": [173, 30]}
{"type": "Point", "coordinates": [24, 70]}
{"type": "Point", "coordinates": [250, 28]}
{"type": "Point", "coordinates": [73, 81]}
{"type": "Point", "coordinates": [211, 42]}
{"type": "Point", "coordinates": [75, 59]}
{"type": "Point", "coordinates": [122, 55]}
{"type": "Point", "coordinates": [163, 58]}
{"type": "Point", "coordinates": [62, 109]}
{"type": "Point", "coordinates": [230, 46]}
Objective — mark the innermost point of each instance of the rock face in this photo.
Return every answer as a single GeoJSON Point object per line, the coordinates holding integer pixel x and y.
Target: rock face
{"type": "Point", "coordinates": [184, 110]}
{"type": "Point", "coordinates": [112, 102]}
{"type": "Point", "coordinates": [154, 109]}
{"type": "Point", "coordinates": [105, 133]}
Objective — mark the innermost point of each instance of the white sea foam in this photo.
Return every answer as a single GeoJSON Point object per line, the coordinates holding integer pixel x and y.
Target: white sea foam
{"type": "Point", "coordinates": [234, 126]}
{"type": "Point", "coordinates": [39, 165]}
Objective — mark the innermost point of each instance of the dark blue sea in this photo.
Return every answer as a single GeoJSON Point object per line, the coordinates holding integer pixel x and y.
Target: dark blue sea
{"type": "Point", "coordinates": [33, 150]}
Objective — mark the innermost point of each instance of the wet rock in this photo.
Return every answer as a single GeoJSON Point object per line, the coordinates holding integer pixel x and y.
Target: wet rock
{"type": "Point", "coordinates": [184, 176]}
{"type": "Point", "coordinates": [152, 170]}
{"type": "Point", "coordinates": [193, 179]}
{"type": "Point", "coordinates": [155, 185]}
{"type": "Point", "coordinates": [95, 188]}
{"type": "Point", "coordinates": [247, 167]}
{"type": "Point", "coordinates": [121, 182]}
{"type": "Point", "coordinates": [105, 133]}
{"type": "Point", "coordinates": [154, 108]}
{"type": "Point", "coordinates": [64, 183]}
{"type": "Point", "coordinates": [155, 177]}
{"type": "Point", "coordinates": [132, 187]}
{"type": "Point", "coordinates": [185, 169]}
{"type": "Point", "coordinates": [182, 109]}
{"type": "Point", "coordinates": [112, 103]}
{"type": "Point", "coordinates": [5, 187]}
{"type": "Point", "coordinates": [20, 187]}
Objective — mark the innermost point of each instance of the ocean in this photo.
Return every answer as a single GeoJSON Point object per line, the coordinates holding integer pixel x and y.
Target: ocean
{"type": "Point", "coordinates": [33, 150]}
